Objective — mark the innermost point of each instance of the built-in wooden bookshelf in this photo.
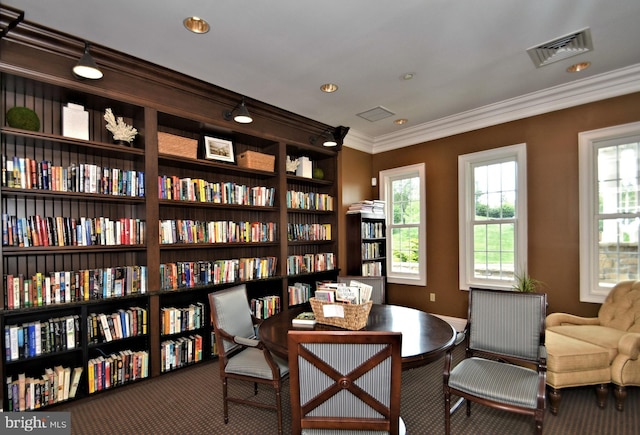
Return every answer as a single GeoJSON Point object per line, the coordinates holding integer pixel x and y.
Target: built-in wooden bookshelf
{"type": "Point", "coordinates": [135, 236]}
{"type": "Point", "coordinates": [367, 244]}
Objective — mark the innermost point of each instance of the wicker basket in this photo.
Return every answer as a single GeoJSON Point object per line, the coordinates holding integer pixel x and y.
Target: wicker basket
{"type": "Point", "coordinates": [254, 160]}
{"type": "Point", "coordinates": [177, 145]}
{"type": "Point", "coordinates": [355, 316]}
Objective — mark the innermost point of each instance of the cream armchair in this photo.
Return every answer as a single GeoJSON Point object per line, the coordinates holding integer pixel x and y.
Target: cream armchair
{"type": "Point", "coordinates": [598, 350]}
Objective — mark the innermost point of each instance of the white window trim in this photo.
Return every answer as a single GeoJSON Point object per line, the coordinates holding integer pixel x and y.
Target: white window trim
{"type": "Point", "coordinates": [386, 176]}
{"type": "Point", "coordinates": [466, 191]}
{"type": "Point", "coordinates": [590, 288]}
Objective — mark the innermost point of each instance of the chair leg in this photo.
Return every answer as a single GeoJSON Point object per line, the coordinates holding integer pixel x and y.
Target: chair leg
{"type": "Point", "coordinates": [468, 408]}
{"type": "Point", "coordinates": [447, 413]}
{"type": "Point", "coordinates": [279, 408]}
{"type": "Point", "coordinates": [255, 388]}
{"type": "Point", "coordinates": [620, 393]}
{"type": "Point", "coordinates": [225, 403]}
{"type": "Point", "coordinates": [602, 391]}
{"type": "Point", "coordinates": [539, 416]}
{"type": "Point", "coordinates": [554, 400]}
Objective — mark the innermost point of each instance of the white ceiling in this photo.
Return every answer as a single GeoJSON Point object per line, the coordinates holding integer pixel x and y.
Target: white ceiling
{"type": "Point", "coordinates": [469, 57]}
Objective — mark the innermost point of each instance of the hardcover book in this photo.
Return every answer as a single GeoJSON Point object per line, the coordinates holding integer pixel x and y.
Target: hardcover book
{"type": "Point", "coordinates": [304, 319]}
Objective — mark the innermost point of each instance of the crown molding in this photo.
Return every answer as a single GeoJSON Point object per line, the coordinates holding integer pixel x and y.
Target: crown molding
{"type": "Point", "coordinates": [607, 85]}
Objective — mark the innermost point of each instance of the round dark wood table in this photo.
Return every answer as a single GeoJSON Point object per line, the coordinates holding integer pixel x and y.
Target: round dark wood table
{"type": "Point", "coordinates": [425, 337]}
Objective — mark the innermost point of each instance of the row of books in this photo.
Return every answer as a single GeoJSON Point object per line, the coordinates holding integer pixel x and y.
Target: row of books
{"type": "Point", "coordinates": [372, 268]}
{"type": "Point", "coordinates": [299, 293]}
{"type": "Point", "coordinates": [190, 231]}
{"type": "Point", "coordinates": [73, 286]}
{"type": "Point", "coordinates": [26, 173]}
{"type": "Point", "coordinates": [189, 274]}
{"type": "Point", "coordinates": [309, 200]}
{"type": "Point", "coordinates": [124, 323]}
{"type": "Point", "coordinates": [265, 306]}
{"type": "Point", "coordinates": [376, 206]}
{"type": "Point", "coordinates": [372, 230]}
{"type": "Point", "coordinates": [199, 190]}
{"type": "Point", "coordinates": [308, 263]}
{"type": "Point", "coordinates": [180, 352]}
{"type": "Point", "coordinates": [372, 250]}
{"type": "Point", "coordinates": [65, 231]}
{"type": "Point", "coordinates": [120, 368]}
{"type": "Point", "coordinates": [174, 320]}
{"type": "Point", "coordinates": [308, 232]}
{"type": "Point", "coordinates": [36, 338]}
{"type": "Point", "coordinates": [56, 385]}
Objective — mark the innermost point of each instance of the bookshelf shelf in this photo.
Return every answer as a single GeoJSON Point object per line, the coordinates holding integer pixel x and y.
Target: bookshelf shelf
{"type": "Point", "coordinates": [94, 146]}
{"type": "Point", "coordinates": [202, 204]}
{"type": "Point", "coordinates": [180, 246]}
{"type": "Point", "coordinates": [36, 193]}
{"type": "Point", "coordinates": [154, 100]}
{"type": "Point", "coordinates": [43, 250]}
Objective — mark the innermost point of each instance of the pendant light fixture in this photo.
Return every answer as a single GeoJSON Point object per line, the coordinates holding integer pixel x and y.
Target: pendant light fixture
{"type": "Point", "coordinates": [241, 116]}
{"type": "Point", "coordinates": [331, 137]}
{"type": "Point", "coordinates": [329, 140]}
{"type": "Point", "coordinates": [86, 67]}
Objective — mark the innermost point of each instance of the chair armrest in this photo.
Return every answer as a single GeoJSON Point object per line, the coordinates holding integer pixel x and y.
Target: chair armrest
{"type": "Point", "coordinates": [225, 335]}
{"type": "Point", "coordinates": [557, 319]}
{"type": "Point", "coordinates": [629, 344]}
{"type": "Point", "coordinates": [249, 342]}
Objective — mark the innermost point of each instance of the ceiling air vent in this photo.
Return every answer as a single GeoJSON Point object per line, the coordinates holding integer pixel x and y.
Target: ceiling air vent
{"type": "Point", "coordinates": [561, 48]}
{"type": "Point", "coordinates": [376, 114]}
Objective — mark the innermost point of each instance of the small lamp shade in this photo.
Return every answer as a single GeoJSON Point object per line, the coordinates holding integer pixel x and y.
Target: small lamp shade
{"type": "Point", "coordinates": [329, 140]}
{"type": "Point", "coordinates": [86, 67]}
{"type": "Point", "coordinates": [242, 115]}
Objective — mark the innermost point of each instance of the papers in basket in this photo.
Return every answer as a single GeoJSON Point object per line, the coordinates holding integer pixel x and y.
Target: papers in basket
{"type": "Point", "coordinates": [354, 293]}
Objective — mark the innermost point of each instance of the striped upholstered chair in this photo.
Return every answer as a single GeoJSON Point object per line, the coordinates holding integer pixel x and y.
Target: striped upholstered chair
{"type": "Point", "coordinates": [505, 363]}
{"type": "Point", "coordinates": [242, 356]}
{"type": "Point", "coordinates": [345, 382]}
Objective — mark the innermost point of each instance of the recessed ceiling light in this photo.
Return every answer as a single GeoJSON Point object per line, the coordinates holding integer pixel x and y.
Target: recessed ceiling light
{"type": "Point", "coordinates": [329, 87]}
{"type": "Point", "coordinates": [577, 67]}
{"type": "Point", "coordinates": [408, 76]}
{"type": "Point", "coordinates": [401, 121]}
{"type": "Point", "coordinates": [196, 25]}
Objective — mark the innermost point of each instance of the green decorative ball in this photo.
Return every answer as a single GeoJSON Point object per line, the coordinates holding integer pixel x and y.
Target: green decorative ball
{"type": "Point", "coordinates": [318, 174]}
{"type": "Point", "coordinates": [24, 118]}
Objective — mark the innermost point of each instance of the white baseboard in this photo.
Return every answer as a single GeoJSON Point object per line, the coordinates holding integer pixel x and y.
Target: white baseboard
{"type": "Point", "coordinates": [457, 322]}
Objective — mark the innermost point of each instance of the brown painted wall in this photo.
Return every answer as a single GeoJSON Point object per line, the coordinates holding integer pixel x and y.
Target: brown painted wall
{"type": "Point", "coordinates": [552, 169]}
{"type": "Point", "coordinates": [355, 185]}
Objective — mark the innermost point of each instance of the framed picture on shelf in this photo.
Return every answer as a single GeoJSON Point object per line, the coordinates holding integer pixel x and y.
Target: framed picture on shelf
{"type": "Point", "coordinates": [219, 149]}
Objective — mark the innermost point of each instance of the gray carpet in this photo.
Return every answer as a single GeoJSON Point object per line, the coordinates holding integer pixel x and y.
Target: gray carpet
{"type": "Point", "coordinates": [188, 401]}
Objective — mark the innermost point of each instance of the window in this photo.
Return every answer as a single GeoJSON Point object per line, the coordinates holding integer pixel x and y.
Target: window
{"type": "Point", "coordinates": [404, 191]}
{"type": "Point", "coordinates": [609, 209]}
{"type": "Point", "coordinates": [492, 217]}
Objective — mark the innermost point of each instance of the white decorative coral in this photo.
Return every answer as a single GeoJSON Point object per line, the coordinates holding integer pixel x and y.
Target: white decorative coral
{"type": "Point", "coordinates": [120, 130]}
{"type": "Point", "coordinates": [292, 164]}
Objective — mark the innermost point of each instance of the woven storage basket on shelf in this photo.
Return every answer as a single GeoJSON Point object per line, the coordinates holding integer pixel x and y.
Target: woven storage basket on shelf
{"type": "Point", "coordinates": [355, 316]}
{"type": "Point", "coordinates": [254, 160]}
{"type": "Point", "coordinates": [177, 145]}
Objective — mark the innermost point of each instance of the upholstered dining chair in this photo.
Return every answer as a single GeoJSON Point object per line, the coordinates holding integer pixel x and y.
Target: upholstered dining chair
{"type": "Point", "coordinates": [505, 361]}
{"type": "Point", "coordinates": [242, 356]}
{"type": "Point", "coordinates": [345, 382]}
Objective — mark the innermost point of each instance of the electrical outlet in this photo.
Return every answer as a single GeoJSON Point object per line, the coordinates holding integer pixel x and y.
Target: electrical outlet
{"type": "Point", "coordinates": [432, 297]}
